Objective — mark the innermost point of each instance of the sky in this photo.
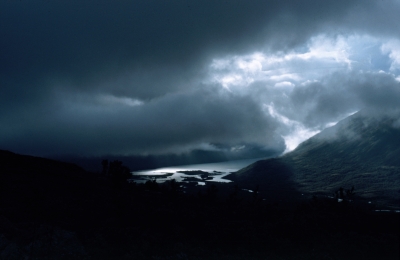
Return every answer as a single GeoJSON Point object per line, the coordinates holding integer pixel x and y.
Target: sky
{"type": "Point", "coordinates": [93, 78]}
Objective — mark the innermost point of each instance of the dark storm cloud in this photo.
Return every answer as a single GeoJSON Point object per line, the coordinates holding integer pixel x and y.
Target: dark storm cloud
{"type": "Point", "coordinates": [84, 42]}
{"type": "Point", "coordinates": [177, 123]}
{"type": "Point", "coordinates": [61, 59]}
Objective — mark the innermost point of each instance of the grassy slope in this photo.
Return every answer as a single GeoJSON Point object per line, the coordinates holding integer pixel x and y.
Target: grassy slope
{"type": "Point", "coordinates": [358, 151]}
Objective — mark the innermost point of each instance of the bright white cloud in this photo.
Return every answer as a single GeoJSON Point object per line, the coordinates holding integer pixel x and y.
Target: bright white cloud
{"type": "Point", "coordinates": [307, 68]}
{"type": "Point", "coordinates": [251, 64]}
{"type": "Point", "coordinates": [322, 55]}
{"type": "Point", "coordinates": [297, 132]}
{"type": "Point", "coordinates": [297, 136]}
{"type": "Point", "coordinates": [392, 48]}
{"type": "Point", "coordinates": [237, 71]}
{"type": "Point", "coordinates": [322, 47]}
{"type": "Point", "coordinates": [284, 84]}
{"type": "Point", "coordinates": [285, 76]}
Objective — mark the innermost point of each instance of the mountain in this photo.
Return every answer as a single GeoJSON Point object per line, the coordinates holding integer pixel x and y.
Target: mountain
{"type": "Point", "coordinates": [361, 151]}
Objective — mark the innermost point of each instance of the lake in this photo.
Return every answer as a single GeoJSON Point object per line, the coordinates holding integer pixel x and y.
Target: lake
{"type": "Point", "coordinates": [200, 173]}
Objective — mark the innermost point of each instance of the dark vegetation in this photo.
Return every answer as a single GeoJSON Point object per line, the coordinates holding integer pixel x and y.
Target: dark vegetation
{"type": "Point", "coordinates": [54, 210]}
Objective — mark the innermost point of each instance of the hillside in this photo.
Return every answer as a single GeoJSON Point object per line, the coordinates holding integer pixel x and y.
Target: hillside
{"type": "Point", "coordinates": [360, 151]}
{"type": "Point", "coordinates": [17, 163]}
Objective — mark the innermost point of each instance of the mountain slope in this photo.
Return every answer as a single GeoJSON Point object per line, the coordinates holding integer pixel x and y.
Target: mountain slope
{"type": "Point", "coordinates": [360, 150]}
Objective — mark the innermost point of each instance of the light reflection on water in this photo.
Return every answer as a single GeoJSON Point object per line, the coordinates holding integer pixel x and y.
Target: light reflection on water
{"type": "Point", "coordinates": [216, 172]}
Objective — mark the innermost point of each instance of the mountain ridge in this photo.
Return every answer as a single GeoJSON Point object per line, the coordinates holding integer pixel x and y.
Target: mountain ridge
{"type": "Point", "coordinates": [360, 151]}
{"type": "Point", "coordinates": [18, 163]}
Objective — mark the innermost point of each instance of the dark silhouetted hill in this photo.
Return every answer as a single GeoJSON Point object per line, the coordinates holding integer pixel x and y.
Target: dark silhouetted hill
{"type": "Point", "coordinates": [11, 162]}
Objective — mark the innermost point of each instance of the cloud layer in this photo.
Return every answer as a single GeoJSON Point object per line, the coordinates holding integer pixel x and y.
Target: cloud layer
{"type": "Point", "coordinates": [168, 77]}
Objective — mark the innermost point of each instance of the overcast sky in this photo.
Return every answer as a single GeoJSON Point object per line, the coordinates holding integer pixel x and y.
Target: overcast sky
{"type": "Point", "coordinates": [154, 77]}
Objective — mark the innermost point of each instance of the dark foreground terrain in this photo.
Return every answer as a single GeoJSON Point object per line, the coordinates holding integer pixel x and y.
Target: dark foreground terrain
{"type": "Point", "coordinates": [53, 210]}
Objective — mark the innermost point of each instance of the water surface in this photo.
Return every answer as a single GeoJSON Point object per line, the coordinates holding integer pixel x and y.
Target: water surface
{"type": "Point", "coordinates": [201, 173]}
